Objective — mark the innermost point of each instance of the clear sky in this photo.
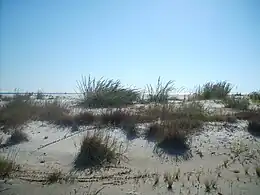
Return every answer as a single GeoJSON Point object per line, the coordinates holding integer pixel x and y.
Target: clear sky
{"type": "Point", "coordinates": [49, 44]}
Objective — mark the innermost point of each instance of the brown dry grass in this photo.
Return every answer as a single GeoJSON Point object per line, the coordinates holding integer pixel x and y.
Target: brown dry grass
{"type": "Point", "coordinates": [97, 149]}
{"type": "Point", "coordinates": [7, 167]}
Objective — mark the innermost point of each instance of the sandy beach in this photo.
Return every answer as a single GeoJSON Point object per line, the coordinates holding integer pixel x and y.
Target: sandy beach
{"type": "Point", "coordinates": [223, 154]}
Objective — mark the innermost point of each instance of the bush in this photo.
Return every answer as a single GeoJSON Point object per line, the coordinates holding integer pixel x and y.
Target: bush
{"type": "Point", "coordinates": [236, 103]}
{"type": "Point", "coordinates": [171, 136]}
{"type": "Point", "coordinates": [16, 113]}
{"type": "Point", "coordinates": [210, 90]}
{"type": "Point", "coordinates": [254, 127]}
{"type": "Point", "coordinates": [54, 112]}
{"type": "Point", "coordinates": [6, 167]}
{"type": "Point", "coordinates": [84, 118]}
{"type": "Point", "coordinates": [255, 96]}
{"type": "Point", "coordinates": [17, 136]}
{"type": "Point", "coordinates": [163, 112]}
{"type": "Point", "coordinates": [105, 93]}
{"type": "Point", "coordinates": [19, 111]}
{"type": "Point", "coordinates": [97, 150]}
{"type": "Point", "coordinates": [39, 95]}
{"type": "Point", "coordinates": [161, 93]}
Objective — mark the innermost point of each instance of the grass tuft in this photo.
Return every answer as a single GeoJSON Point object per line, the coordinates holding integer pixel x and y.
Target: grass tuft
{"type": "Point", "coordinates": [96, 150]}
{"type": "Point", "coordinates": [257, 170]}
{"type": "Point", "coordinates": [255, 97]}
{"type": "Point", "coordinates": [84, 118]}
{"type": "Point", "coordinates": [105, 93]}
{"type": "Point", "coordinates": [6, 167]}
{"type": "Point", "coordinates": [254, 127]}
{"type": "Point", "coordinates": [54, 177]}
{"type": "Point", "coordinates": [16, 113]}
{"type": "Point", "coordinates": [211, 90]}
{"type": "Point", "coordinates": [161, 92]}
{"type": "Point", "coordinates": [236, 103]}
{"type": "Point", "coordinates": [122, 119]}
{"type": "Point", "coordinates": [17, 136]}
{"type": "Point", "coordinates": [39, 95]}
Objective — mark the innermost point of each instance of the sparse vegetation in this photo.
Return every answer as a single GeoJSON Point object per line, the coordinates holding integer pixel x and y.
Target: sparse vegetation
{"type": "Point", "coordinates": [211, 90]}
{"type": "Point", "coordinates": [209, 185]}
{"type": "Point", "coordinates": [236, 103]}
{"type": "Point", "coordinates": [257, 170]}
{"type": "Point", "coordinates": [39, 95]}
{"type": "Point", "coordinates": [170, 135]}
{"type": "Point", "coordinates": [96, 150]}
{"type": "Point", "coordinates": [161, 92]}
{"type": "Point", "coordinates": [105, 93]}
{"type": "Point", "coordinates": [255, 96]}
{"type": "Point", "coordinates": [254, 127]}
{"type": "Point", "coordinates": [17, 136]}
{"type": "Point", "coordinates": [7, 166]}
{"type": "Point", "coordinates": [122, 119]}
{"type": "Point", "coordinates": [54, 177]}
{"type": "Point", "coordinates": [168, 178]}
{"type": "Point", "coordinates": [16, 113]}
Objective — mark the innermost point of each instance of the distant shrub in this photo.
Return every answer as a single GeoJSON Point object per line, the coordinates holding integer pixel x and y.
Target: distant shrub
{"type": "Point", "coordinates": [236, 103]}
{"type": "Point", "coordinates": [210, 90]}
{"type": "Point", "coordinates": [161, 92]}
{"type": "Point", "coordinates": [39, 95]}
{"type": "Point", "coordinates": [255, 96]}
{"type": "Point", "coordinates": [105, 93]}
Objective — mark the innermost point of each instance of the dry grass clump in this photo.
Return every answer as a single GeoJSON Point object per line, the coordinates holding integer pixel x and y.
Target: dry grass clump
{"type": "Point", "coordinates": [105, 93]}
{"type": "Point", "coordinates": [97, 149]}
{"type": "Point", "coordinates": [122, 119]}
{"type": "Point", "coordinates": [176, 123]}
{"type": "Point", "coordinates": [210, 185]}
{"type": "Point", "coordinates": [7, 166]}
{"type": "Point", "coordinates": [52, 112]}
{"type": "Point", "coordinates": [39, 95]}
{"type": "Point", "coordinates": [253, 118]}
{"type": "Point", "coordinates": [54, 177]}
{"type": "Point", "coordinates": [173, 136]}
{"type": "Point", "coordinates": [19, 111]}
{"type": "Point", "coordinates": [211, 90]}
{"type": "Point", "coordinates": [16, 113]}
{"type": "Point", "coordinates": [255, 97]}
{"type": "Point", "coordinates": [191, 110]}
{"type": "Point", "coordinates": [84, 118]}
{"type": "Point", "coordinates": [254, 127]}
{"type": "Point", "coordinates": [170, 178]}
{"type": "Point", "coordinates": [17, 136]}
{"type": "Point", "coordinates": [161, 92]}
{"type": "Point", "coordinates": [236, 103]}
{"type": "Point", "coordinates": [257, 170]}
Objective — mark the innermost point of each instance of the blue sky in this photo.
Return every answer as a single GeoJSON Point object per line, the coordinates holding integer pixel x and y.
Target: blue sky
{"type": "Point", "coordinates": [49, 44]}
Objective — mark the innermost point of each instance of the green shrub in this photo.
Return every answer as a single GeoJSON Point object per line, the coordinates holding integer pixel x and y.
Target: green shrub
{"type": "Point", "coordinates": [236, 103]}
{"type": "Point", "coordinates": [161, 93]}
{"type": "Point", "coordinates": [210, 90]}
{"type": "Point", "coordinates": [105, 93]}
